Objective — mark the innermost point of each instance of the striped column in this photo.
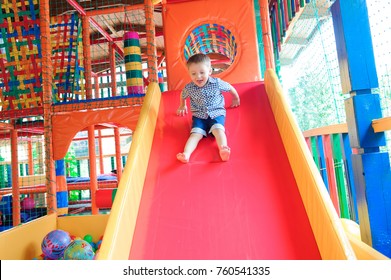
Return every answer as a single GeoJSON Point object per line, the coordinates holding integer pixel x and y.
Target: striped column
{"type": "Point", "coordinates": [161, 81]}
{"type": "Point", "coordinates": [133, 65]}
{"type": "Point", "coordinates": [62, 190]}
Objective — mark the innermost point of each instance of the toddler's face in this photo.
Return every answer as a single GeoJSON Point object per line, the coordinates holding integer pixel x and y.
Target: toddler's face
{"type": "Point", "coordinates": [199, 73]}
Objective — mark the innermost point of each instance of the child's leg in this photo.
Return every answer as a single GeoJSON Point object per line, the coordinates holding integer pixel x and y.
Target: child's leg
{"type": "Point", "coordinates": [190, 146]}
{"type": "Point", "coordinates": [221, 140]}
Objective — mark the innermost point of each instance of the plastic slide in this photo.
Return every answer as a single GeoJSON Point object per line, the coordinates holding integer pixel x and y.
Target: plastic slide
{"type": "Point", "coordinates": [246, 208]}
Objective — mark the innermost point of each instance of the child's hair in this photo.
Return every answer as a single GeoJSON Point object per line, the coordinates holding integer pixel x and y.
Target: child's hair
{"type": "Point", "coordinates": [199, 58]}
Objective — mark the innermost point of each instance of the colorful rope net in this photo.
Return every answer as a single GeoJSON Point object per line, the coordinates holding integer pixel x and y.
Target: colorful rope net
{"type": "Point", "coordinates": [67, 54]}
{"type": "Point", "coordinates": [20, 55]}
{"type": "Point", "coordinates": [211, 38]}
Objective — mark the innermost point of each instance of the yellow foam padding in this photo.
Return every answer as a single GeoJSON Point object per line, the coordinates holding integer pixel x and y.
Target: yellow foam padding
{"type": "Point", "coordinates": [82, 225]}
{"type": "Point", "coordinates": [363, 251]}
{"type": "Point", "coordinates": [133, 66]}
{"type": "Point", "coordinates": [32, 180]}
{"type": "Point", "coordinates": [62, 211]}
{"type": "Point", "coordinates": [132, 50]}
{"type": "Point", "coordinates": [24, 242]}
{"type": "Point", "coordinates": [120, 228]}
{"type": "Point", "coordinates": [134, 82]}
{"type": "Point", "coordinates": [330, 237]}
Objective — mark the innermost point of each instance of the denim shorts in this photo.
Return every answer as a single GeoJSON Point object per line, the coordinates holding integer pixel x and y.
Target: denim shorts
{"type": "Point", "coordinates": [201, 126]}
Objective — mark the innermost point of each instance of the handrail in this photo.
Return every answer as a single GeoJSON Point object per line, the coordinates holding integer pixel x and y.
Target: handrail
{"type": "Point", "coordinates": [382, 124]}
{"type": "Point", "coordinates": [326, 130]}
{"type": "Point", "coordinates": [378, 125]}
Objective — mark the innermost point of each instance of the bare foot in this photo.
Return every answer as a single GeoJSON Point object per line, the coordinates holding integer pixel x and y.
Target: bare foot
{"type": "Point", "coordinates": [182, 158]}
{"type": "Point", "coordinates": [225, 151]}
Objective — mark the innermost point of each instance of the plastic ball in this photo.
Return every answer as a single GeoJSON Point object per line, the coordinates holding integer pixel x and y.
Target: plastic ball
{"type": "Point", "coordinates": [88, 238]}
{"type": "Point", "coordinates": [27, 203]}
{"type": "Point", "coordinates": [79, 250]}
{"type": "Point", "coordinates": [54, 244]}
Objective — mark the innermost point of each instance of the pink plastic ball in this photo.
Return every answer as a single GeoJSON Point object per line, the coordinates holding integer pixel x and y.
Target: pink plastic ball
{"type": "Point", "coordinates": [27, 203]}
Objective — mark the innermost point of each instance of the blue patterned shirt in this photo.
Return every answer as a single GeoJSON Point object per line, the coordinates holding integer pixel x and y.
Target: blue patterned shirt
{"type": "Point", "coordinates": [207, 100]}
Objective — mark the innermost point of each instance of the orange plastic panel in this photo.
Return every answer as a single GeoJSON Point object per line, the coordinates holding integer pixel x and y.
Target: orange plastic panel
{"type": "Point", "coordinates": [238, 16]}
{"type": "Point", "coordinates": [66, 125]}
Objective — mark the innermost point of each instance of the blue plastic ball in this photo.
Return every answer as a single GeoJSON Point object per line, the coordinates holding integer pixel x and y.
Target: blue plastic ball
{"type": "Point", "coordinates": [79, 250]}
{"type": "Point", "coordinates": [54, 244]}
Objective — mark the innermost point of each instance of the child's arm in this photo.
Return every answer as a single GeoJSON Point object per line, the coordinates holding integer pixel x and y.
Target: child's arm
{"type": "Point", "coordinates": [235, 97]}
{"type": "Point", "coordinates": [182, 110]}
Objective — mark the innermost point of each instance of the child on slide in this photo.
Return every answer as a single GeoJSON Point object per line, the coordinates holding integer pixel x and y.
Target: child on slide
{"type": "Point", "coordinates": [207, 106]}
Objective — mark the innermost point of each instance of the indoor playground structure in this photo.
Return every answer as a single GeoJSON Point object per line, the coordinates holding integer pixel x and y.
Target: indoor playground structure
{"type": "Point", "coordinates": [89, 135]}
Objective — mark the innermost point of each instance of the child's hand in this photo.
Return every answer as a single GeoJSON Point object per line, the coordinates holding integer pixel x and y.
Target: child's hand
{"type": "Point", "coordinates": [182, 110]}
{"type": "Point", "coordinates": [235, 102]}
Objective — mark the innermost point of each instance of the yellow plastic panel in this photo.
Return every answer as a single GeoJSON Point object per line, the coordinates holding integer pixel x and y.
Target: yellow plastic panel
{"type": "Point", "coordinates": [328, 231]}
{"type": "Point", "coordinates": [24, 242]}
{"type": "Point", "coordinates": [80, 226]}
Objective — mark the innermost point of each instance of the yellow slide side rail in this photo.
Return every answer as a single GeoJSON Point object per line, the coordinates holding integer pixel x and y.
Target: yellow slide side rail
{"type": "Point", "coordinates": [329, 234]}
{"type": "Point", "coordinates": [118, 236]}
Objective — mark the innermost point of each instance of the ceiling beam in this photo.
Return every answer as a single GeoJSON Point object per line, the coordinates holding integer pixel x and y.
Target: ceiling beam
{"type": "Point", "coordinates": [134, 27]}
{"type": "Point", "coordinates": [59, 7]}
{"type": "Point", "coordinates": [93, 22]}
{"type": "Point", "coordinates": [114, 10]}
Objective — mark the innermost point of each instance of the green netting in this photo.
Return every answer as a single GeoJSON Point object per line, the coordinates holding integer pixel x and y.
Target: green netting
{"type": "Point", "coordinates": [380, 21]}
{"type": "Point", "coordinates": [379, 18]}
{"type": "Point", "coordinates": [310, 71]}
{"type": "Point", "coordinates": [309, 66]}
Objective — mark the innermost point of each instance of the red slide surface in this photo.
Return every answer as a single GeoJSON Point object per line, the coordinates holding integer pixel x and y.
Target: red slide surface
{"type": "Point", "coordinates": [246, 208]}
